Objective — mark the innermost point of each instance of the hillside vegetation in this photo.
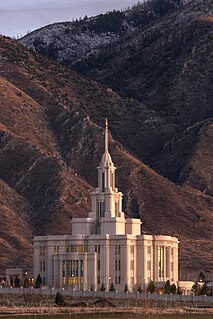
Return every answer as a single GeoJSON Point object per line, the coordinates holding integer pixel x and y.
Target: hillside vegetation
{"type": "Point", "coordinates": [154, 70]}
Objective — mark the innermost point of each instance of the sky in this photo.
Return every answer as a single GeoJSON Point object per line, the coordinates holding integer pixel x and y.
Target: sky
{"type": "Point", "coordinates": [17, 17]}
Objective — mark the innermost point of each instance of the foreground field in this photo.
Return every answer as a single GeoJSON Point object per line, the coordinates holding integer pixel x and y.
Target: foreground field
{"type": "Point", "coordinates": [101, 313]}
{"type": "Point", "coordinates": [110, 316]}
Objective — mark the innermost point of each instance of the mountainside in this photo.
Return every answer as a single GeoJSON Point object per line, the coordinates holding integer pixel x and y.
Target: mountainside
{"type": "Point", "coordinates": [51, 141]}
{"type": "Point", "coordinates": [158, 53]}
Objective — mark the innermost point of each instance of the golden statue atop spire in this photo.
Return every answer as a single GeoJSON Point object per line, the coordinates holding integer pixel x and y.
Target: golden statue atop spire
{"type": "Point", "coordinates": [106, 122]}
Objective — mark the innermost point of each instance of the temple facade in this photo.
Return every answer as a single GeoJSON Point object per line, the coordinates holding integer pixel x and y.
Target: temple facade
{"type": "Point", "coordinates": [105, 248]}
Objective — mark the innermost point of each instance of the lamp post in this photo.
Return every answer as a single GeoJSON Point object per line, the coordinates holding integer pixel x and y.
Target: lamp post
{"type": "Point", "coordinates": [72, 283]}
{"type": "Point", "coordinates": [109, 283]}
{"type": "Point", "coordinates": [25, 280]}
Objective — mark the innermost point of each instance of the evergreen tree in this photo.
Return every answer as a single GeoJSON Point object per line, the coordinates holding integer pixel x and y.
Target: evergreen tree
{"type": "Point", "coordinates": [38, 281]}
{"type": "Point", "coordinates": [151, 288]}
{"type": "Point", "coordinates": [201, 277]}
{"type": "Point", "coordinates": [204, 290]}
{"type": "Point", "coordinates": [126, 288]}
{"type": "Point", "coordinates": [103, 288]}
{"type": "Point", "coordinates": [140, 289]}
{"type": "Point", "coordinates": [173, 289]}
{"type": "Point", "coordinates": [196, 289]}
{"type": "Point", "coordinates": [179, 291]}
{"type": "Point", "coordinates": [112, 287]}
{"type": "Point", "coordinates": [167, 287]}
{"type": "Point", "coordinates": [17, 282]}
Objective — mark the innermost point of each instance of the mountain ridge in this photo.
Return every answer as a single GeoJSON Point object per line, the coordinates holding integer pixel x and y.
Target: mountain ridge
{"type": "Point", "coordinates": [163, 61]}
{"type": "Point", "coordinates": [55, 174]}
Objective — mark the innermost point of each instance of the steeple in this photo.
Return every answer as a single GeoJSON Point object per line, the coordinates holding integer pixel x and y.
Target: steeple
{"type": "Point", "coordinates": [106, 156]}
{"type": "Point", "coordinates": [106, 136]}
{"type": "Point", "coordinates": [106, 200]}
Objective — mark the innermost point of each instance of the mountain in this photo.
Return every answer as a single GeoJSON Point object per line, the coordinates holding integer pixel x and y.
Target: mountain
{"type": "Point", "coordinates": [158, 53]}
{"type": "Point", "coordinates": [51, 141]}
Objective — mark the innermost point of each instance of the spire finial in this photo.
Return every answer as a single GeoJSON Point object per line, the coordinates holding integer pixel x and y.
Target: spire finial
{"type": "Point", "coordinates": [106, 136]}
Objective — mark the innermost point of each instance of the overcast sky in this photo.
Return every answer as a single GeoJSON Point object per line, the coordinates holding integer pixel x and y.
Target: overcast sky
{"type": "Point", "coordinates": [19, 16]}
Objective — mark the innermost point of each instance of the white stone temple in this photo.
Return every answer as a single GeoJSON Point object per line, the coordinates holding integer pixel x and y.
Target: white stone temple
{"type": "Point", "coordinates": [105, 248]}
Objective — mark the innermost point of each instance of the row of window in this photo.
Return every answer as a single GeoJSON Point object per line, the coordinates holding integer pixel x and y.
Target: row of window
{"type": "Point", "coordinates": [72, 280]}
{"type": "Point", "coordinates": [71, 268]}
{"type": "Point", "coordinates": [149, 250]}
{"type": "Point", "coordinates": [164, 261]}
{"type": "Point", "coordinates": [111, 181]}
{"type": "Point", "coordinates": [76, 248]}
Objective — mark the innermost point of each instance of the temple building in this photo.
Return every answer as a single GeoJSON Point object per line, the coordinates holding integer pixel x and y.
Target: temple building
{"type": "Point", "coordinates": [105, 248]}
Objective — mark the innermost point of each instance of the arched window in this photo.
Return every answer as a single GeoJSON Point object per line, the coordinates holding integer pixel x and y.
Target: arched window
{"type": "Point", "coordinates": [103, 182]}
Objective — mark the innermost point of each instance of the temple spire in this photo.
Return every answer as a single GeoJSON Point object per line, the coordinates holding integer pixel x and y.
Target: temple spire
{"type": "Point", "coordinates": [106, 136]}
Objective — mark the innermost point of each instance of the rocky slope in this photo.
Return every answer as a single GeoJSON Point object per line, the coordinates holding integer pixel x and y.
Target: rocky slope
{"type": "Point", "coordinates": [159, 53]}
{"type": "Point", "coordinates": [51, 141]}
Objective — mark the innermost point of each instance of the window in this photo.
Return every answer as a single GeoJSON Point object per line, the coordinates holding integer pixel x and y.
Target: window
{"type": "Point", "coordinates": [132, 249]}
{"type": "Point", "coordinates": [172, 251]}
{"type": "Point", "coordinates": [111, 179]}
{"type": "Point", "coordinates": [103, 182]}
{"type": "Point", "coordinates": [42, 250]}
{"type": "Point", "coordinates": [172, 266]}
{"type": "Point", "coordinates": [116, 280]}
{"type": "Point", "coordinates": [97, 249]}
{"type": "Point", "coordinates": [99, 265]}
{"type": "Point", "coordinates": [101, 209]}
{"type": "Point", "coordinates": [82, 268]}
{"type": "Point", "coordinates": [116, 208]}
{"type": "Point", "coordinates": [116, 265]}
{"type": "Point", "coordinates": [72, 269]}
{"type": "Point", "coordinates": [99, 280]}
{"type": "Point", "coordinates": [119, 265]}
{"type": "Point", "coordinates": [76, 248]}
{"type": "Point", "coordinates": [119, 280]}
{"type": "Point", "coordinates": [42, 266]}
{"type": "Point", "coordinates": [131, 264]}
{"type": "Point", "coordinates": [148, 265]}
{"type": "Point", "coordinates": [56, 249]}
{"type": "Point", "coordinates": [68, 249]}
{"type": "Point", "coordinates": [63, 268]}
{"type": "Point", "coordinates": [85, 248]}
{"type": "Point", "coordinates": [161, 261]}
{"type": "Point", "coordinates": [148, 250]}
{"type": "Point", "coordinates": [117, 249]}
{"type": "Point", "coordinates": [167, 262]}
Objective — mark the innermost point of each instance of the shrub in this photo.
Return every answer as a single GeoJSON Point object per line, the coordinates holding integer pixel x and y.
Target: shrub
{"type": "Point", "coordinates": [59, 299]}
